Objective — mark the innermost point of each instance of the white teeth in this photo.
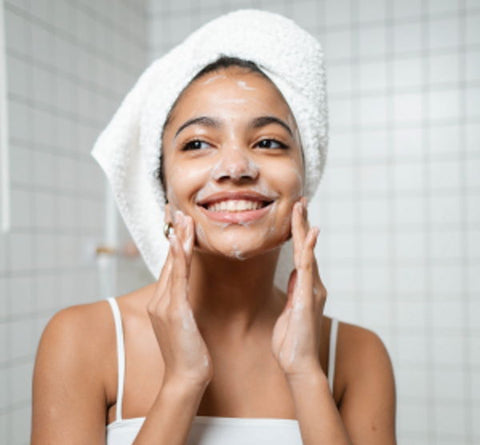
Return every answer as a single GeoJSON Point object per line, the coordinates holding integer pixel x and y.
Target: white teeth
{"type": "Point", "coordinates": [235, 205]}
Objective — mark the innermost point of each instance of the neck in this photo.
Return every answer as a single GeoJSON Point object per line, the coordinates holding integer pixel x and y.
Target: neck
{"type": "Point", "coordinates": [231, 294]}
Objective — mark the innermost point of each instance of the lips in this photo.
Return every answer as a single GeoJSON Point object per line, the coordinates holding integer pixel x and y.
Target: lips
{"type": "Point", "coordinates": [235, 202]}
{"type": "Point", "coordinates": [236, 207]}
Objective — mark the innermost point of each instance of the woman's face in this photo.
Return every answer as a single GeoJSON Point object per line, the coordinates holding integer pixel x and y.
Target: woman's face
{"type": "Point", "coordinates": [233, 162]}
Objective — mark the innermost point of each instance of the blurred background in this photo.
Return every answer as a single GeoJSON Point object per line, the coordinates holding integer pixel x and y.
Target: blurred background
{"type": "Point", "coordinates": [400, 210]}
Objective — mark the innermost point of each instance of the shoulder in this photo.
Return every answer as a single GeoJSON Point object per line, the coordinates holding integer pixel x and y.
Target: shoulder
{"type": "Point", "coordinates": [361, 352]}
{"type": "Point", "coordinates": [75, 338]}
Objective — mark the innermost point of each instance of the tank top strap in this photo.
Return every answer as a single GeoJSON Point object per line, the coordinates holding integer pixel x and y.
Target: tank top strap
{"type": "Point", "coordinates": [332, 350]}
{"type": "Point", "coordinates": [117, 317]}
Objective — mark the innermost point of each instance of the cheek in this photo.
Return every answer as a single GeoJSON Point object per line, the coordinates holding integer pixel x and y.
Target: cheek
{"type": "Point", "coordinates": [183, 181]}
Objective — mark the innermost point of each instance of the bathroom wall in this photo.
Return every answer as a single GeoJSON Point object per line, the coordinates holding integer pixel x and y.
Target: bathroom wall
{"type": "Point", "coordinates": [400, 209]}
{"type": "Point", "coordinates": [69, 62]}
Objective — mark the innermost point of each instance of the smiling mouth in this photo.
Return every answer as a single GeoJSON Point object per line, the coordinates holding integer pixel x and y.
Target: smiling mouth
{"type": "Point", "coordinates": [235, 205]}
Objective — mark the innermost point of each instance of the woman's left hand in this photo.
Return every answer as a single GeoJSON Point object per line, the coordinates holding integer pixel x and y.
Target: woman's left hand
{"type": "Point", "coordinates": [296, 335]}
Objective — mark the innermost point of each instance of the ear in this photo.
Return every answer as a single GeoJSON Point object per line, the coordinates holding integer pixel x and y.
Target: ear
{"type": "Point", "coordinates": [168, 213]}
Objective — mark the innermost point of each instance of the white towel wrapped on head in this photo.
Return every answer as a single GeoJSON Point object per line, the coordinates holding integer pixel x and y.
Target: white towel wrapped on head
{"type": "Point", "coordinates": [128, 149]}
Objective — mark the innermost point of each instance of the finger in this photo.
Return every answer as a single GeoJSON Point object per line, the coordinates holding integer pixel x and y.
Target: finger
{"type": "Point", "coordinates": [298, 231]}
{"type": "Point", "coordinates": [162, 284]}
{"type": "Point", "coordinates": [308, 254]}
{"type": "Point", "coordinates": [179, 272]}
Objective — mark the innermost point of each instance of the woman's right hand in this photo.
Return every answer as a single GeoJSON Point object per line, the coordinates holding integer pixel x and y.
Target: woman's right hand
{"type": "Point", "coordinates": [185, 354]}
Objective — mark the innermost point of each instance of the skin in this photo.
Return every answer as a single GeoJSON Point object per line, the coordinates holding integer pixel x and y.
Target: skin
{"type": "Point", "coordinates": [213, 336]}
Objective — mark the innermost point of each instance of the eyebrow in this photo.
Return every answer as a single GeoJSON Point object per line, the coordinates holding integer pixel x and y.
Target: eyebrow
{"type": "Point", "coordinates": [263, 121]}
{"type": "Point", "coordinates": [202, 120]}
{"type": "Point", "coordinates": [258, 122]}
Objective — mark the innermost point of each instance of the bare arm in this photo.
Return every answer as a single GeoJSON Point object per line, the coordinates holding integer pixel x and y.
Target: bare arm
{"type": "Point", "coordinates": [68, 396]}
{"type": "Point", "coordinates": [188, 368]}
{"type": "Point", "coordinates": [367, 411]}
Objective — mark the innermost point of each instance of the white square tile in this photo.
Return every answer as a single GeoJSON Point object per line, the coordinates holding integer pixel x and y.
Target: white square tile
{"type": "Point", "coordinates": [407, 8]}
{"type": "Point", "coordinates": [473, 99]}
{"type": "Point", "coordinates": [340, 112]}
{"type": "Point", "coordinates": [369, 10]}
{"type": "Point", "coordinates": [444, 68]}
{"type": "Point", "coordinates": [373, 110]}
{"type": "Point", "coordinates": [341, 211]}
{"type": "Point", "coordinates": [444, 139]}
{"type": "Point", "coordinates": [20, 375]}
{"type": "Point", "coordinates": [45, 251]}
{"type": "Point", "coordinates": [444, 174]}
{"type": "Point", "coordinates": [342, 246]}
{"type": "Point", "coordinates": [408, 176]}
{"type": "Point", "coordinates": [339, 179]}
{"type": "Point", "coordinates": [372, 144]}
{"type": "Point", "coordinates": [408, 143]}
{"type": "Point", "coordinates": [445, 244]}
{"type": "Point", "coordinates": [42, 128]}
{"type": "Point", "coordinates": [473, 276]}
{"type": "Point", "coordinates": [42, 41]}
{"type": "Point", "coordinates": [407, 72]}
{"type": "Point", "coordinates": [412, 382]}
{"type": "Point", "coordinates": [65, 95]}
{"type": "Point", "coordinates": [376, 314]}
{"type": "Point", "coordinates": [472, 173]}
{"type": "Point", "coordinates": [472, 31]}
{"type": "Point", "coordinates": [337, 12]}
{"type": "Point", "coordinates": [473, 207]}
{"type": "Point", "coordinates": [20, 251]}
{"type": "Point", "coordinates": [444, 209]}
{"type": "Point", "coordinates": [375, 212]}
{"type": "Point", "coordinates": [375, 280]}
{"type": "Point", "coordinates": [43, 210]}
{"type": "Point", "coordinates": [338, 44]}
{"type": "Point", "coordinates": [21, 301]}
{"type": "Point", "coordinates": [372, 41]}
{"type": "Point", "coordinates": [21, 345]}
{"type": "Point", "coordinates": [443, 6]}
{"type": "Point", "coordinates": [444, 105]}
{"type": "Point", "coordinates": [19, 74]}
{"type": "Point", "coordinates": [407, 107]}
{"type": "Point", "coordinates": [473, 245]}
{"type": "Point", "coordinates": [17, 33]}
{"type": "Point", "coordinates": [413, 350]}
{"type": "Point", "coordinates": [443, 33]}
{"type": "Point", "coordinates": [412, 312]}
{"type": "Point", "coordinates": [411, 280]}
{"type": "Point", "coordinates": [409, 209]}
{"type": "Point", "coordinates": [472, 68]}
{"type": "Point", "coordinates": [18, 115]}
{"type": "Point", "coordinates": [46, 295]}
{"type": "Point", "coordinates": [340, 279]}
{"type": "Point", "coordinates": [339, 78]}
{"type": "Point", "coordinates": [20, 416]}
{"type": "Point", "coordinates": [20, 169]}
{"type": "Point", "coordinates": [449, 418]}
{"type": "Point", "coordinates": [409, 246]}
{"type": "Point", "coordinates": [374, 178]}
{"type": "Point", "coordinates": [407, 37]}
{"type": "Point", "coordinates": [448, 350]}
{"type": "Point", "coordinates": [373, 76]}
{"type": "Point", "coordinates": [446, 313]}
{"type": "Point", "coordinates": [341, 147]}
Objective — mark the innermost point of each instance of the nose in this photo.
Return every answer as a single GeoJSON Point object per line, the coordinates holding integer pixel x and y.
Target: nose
{"type": "Point", "coordinates": [237, 165]}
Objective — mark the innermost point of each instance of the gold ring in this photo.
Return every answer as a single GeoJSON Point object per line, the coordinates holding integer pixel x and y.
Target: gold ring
{"type": "Point", "coordinates": [167, 229]}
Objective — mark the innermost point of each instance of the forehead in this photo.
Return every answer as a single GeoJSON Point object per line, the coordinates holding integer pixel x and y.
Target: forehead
{"type": "Point", "coordinates": [232, 88]}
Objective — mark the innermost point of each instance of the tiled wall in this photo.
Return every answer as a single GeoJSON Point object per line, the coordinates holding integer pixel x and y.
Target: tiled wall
{"type": "Point", "coordinates": [400, 209]}
{"type": "Point", "coordinates": [400, 201]}
{"type": "Point", "coordinates": [70, 63]}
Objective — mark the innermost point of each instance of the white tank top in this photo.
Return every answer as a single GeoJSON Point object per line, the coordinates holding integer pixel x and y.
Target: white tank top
{"type": "Point", "coordinates": [208, 430]}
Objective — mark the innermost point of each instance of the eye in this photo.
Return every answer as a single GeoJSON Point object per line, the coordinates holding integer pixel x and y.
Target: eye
{"type": "Point", "coordinates": [196, 144]}
{"type": "Point", "coordinates": [272, 144]}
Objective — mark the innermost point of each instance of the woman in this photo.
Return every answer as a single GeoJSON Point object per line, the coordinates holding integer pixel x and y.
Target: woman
{"type": "Point", "coordinates": [213, 352]}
